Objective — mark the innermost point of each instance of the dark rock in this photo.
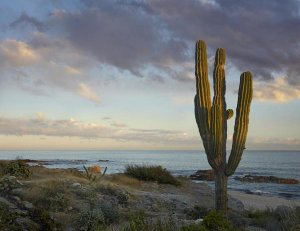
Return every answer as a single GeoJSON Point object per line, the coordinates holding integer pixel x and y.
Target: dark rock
{"type": "Point", "coordinates": [28, 205]}
{"type": "Point", "coordinates": [207, 175]}
{"type": "Point", "coordinates": [27, 224]}
{"type": "Point", "coordinates": [7, 203]}
{"type": "Point", "coordinates": [76, 185]}
{"type": "Point", "coordinates": [17, 191]}
{"type": "Point", "coordinates": [266, 179]}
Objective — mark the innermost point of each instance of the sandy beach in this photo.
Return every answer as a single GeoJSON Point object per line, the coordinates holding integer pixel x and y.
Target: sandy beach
{"type": "Point", "coordinates": [262, 202]}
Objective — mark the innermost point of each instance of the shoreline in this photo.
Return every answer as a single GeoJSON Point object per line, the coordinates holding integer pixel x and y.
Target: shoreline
{"type": "Point", "coordinates": [262, 202]}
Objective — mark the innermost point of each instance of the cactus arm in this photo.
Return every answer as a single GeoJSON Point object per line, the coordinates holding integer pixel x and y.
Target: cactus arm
{"type": "Point", "coordinates": [203, 103]}
{"type": "Point", "coordinates": [216, 132]}
{"type": "Point", "coordinates": [219, 102]}
{"type": "Point", "coordinates": [241, 122]}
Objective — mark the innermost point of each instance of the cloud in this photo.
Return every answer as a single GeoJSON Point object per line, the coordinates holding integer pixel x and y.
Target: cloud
{"type": "Point", "coordinates": [41, 125]}
{"type": "Point", "coordinates": [36, 68]}
{"type": "Point", "coordinates": [118, 125]}
{"type": "Point", "coordinates": [88, 93]}
{"type": "Point", "coordinates": [26, 19]}
{"type": "Point", "coordinates": [161, 34]}
{"type": "Point", "coordinates": [113, 32]}
{"type": "Point", "coordinates": [278, 90]}
{"type": "Point", "coordinates": [15, 53]}
{"type": "Point", "coordinates": [263, 42]}
{"type": "Point", "coordinates": [273, 143]}
{"type": "Point", "coordinates": [156, 38]}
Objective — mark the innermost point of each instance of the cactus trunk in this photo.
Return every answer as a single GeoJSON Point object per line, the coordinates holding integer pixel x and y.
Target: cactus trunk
{"type": "Point", "coordinates": [212, 119]}
{"type": "Point", "coordinates": [220, 190]}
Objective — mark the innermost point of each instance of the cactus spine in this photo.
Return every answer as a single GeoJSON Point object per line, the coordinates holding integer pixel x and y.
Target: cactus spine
{"type": "Point", "coordinates": [212, 119]}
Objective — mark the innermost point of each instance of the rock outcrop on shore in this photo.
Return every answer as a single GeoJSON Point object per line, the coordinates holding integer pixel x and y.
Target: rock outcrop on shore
{"type": "Point", "coordinates": [266, 179]}
{"type": "Point", "coordinates": [206, 175]}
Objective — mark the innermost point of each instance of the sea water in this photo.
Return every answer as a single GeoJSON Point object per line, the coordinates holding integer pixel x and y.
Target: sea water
{"type": "Point", "coordinates": [284, 164]}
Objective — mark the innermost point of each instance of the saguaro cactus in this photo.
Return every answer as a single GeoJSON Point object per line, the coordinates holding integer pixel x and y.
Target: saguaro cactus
{"type": "Point", "coordinates": [212, 119]}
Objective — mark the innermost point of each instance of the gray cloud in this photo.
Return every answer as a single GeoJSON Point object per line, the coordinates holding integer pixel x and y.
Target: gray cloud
{"type": "Point", "coordinates": [74, 128]}
{"type": "Point", "coordinates": [42, 126]}
{"type": "Point", "coordinates": [258, 35]}
{"type": "Point", "coordinates": [261, 36]}
{"type": "Point", "coordinates": [30, 68]}
{"type": "Point", "coordinates": [120, 36]}
{"type": "Point", "coordinates": [26, 19]}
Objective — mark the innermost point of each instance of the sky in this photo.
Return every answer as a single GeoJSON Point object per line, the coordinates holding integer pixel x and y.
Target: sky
{"type": "Point", "coordinates": [119, 74]}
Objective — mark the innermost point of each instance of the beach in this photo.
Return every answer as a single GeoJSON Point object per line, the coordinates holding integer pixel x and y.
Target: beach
{"type": "Point", "coordinates": [262, 202]}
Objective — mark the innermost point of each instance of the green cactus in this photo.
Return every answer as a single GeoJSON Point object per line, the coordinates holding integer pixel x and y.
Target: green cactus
{"type": "Point", "coordinates": [212, 119]}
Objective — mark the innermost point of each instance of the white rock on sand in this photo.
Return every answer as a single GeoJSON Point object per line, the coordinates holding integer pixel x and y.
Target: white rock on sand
{"type": "Point", "coordinates": [262, 202]}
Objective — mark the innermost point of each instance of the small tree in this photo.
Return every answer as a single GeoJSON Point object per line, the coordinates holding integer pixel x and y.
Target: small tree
{"type": "Point", "coordinates": [212, 119]}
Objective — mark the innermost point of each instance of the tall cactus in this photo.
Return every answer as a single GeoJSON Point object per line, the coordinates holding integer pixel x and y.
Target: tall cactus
{"type": "Point", "coordinates": [212, 119]}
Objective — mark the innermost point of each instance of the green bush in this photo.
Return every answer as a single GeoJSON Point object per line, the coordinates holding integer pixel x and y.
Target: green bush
{"type": "Point", "coordinates": [263, 219]}
{"type": "Point", "coordinates": [216, 221]}
{"type": "Point", "coordinates": [151, 173]}
{"type": "Point", "coordinates": [121, 195]}
{"type": "Point", "coordinates": [18, 168]}
{"type": "Point", "coordinates": [110, 212]}
{"type": "Point", "coordinates": [193, 227]}
{"type": "Point", "coordinates": [54, 197]}
{"type": "Point", "coordinates": [44, 219]}
{"type": "Point", "coordinates": [138, 222]}
{"type": "Point", "coordinates": [8, 219]}
{"type": "Point", "coordinates": [196, 212]}
{"type": "Point", "coordinates": [291, 221]}
{"type": "Point", "coordinates": [90, 220]}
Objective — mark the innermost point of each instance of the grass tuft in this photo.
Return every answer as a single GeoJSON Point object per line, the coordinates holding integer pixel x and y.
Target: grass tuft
{"type": "Point", "coordinates": [151, 173]}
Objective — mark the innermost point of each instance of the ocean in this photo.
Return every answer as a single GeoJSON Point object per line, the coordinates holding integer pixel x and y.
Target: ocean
{"type": "Point", "coordinates": [277, 163]}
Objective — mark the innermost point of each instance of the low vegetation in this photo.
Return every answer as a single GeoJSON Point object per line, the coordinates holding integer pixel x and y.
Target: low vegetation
{"type": "Point", "coordinates": [151, 173]}
{"type": "Point", "coordinates": [15, 168]}
{"type": "Point", "coordinates": [56, 199]}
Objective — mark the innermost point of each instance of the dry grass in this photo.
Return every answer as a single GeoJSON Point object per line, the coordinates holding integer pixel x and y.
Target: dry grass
{"type": "Point", "coordinates": [124, 180]}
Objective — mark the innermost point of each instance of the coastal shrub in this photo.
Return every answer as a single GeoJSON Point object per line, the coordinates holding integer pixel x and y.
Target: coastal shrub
{"type": "Point", "coordinates": [8, 219]}
{"type": "Point", "coordinates": [193, 227]}
{"type": "Point", "coordinates": [216, 221]}
{"type": "Point", "coordinates": [121, 195]}
{"type": "Point", "coordinates": [110, 212]}
{"type": "Point", "coordinates": [138, 221]}
{"type": "Point", "coordinates": [237, 219]}
{"type": "Point", "coordinates": [89, 220]}
{"type": "Point", "coordinates": [196, 212]}
{"type": "Point", "coordinates": [151, 173]}
{"type": "Point", "coordinates": [8, 183]}
{"type": "Point", "coordinates": [52, 195]}
{"type": "Point", "coordinates": [283, 218]}
{"type": "Point", "coordinates": [289, 218]}
{"type": "Point", "coordinates": [44, 219]}
{"type": "Point", "coordinates": [18, 168]}
{"type": "Point", "coordinates": [266, 219]}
